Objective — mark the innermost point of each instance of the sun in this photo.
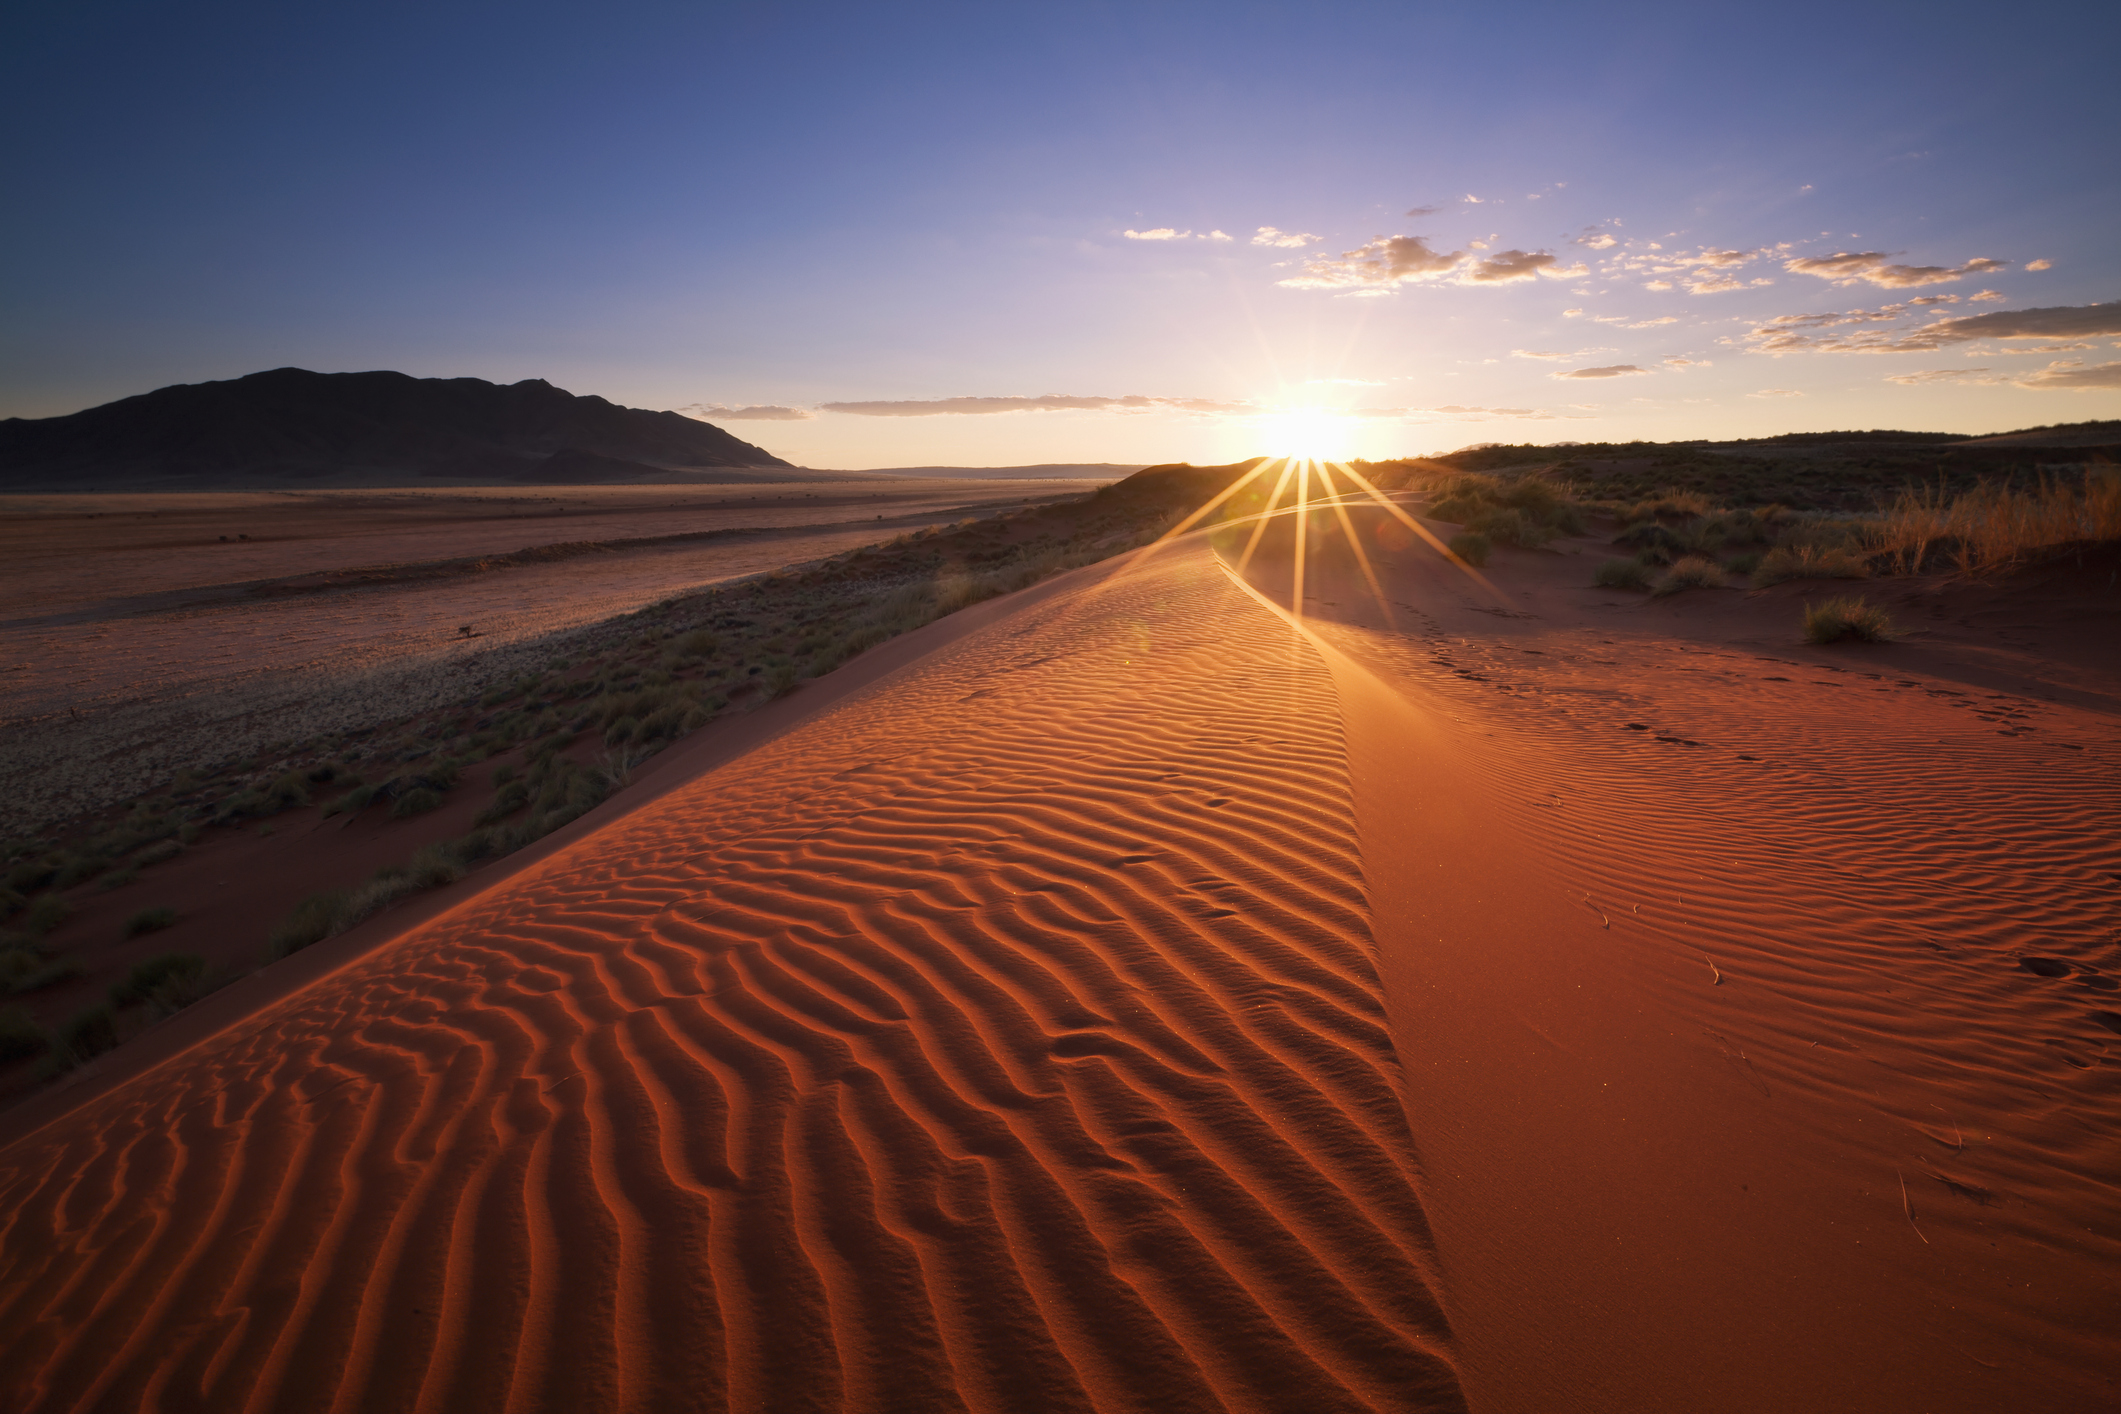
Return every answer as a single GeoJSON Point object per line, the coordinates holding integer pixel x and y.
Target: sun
{"type": "Point", "coordinates": [1312, 433]}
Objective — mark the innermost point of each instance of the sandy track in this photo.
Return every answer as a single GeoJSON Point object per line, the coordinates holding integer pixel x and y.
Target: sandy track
{"type": "Point", "coordinates": [1008, 1038]}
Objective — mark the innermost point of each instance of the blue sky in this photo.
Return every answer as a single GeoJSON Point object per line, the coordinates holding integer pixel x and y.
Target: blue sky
{"type": "Point", "coordinates": [876, 236]}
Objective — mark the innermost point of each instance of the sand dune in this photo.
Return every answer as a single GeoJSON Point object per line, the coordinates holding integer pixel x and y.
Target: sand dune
{"type": "Point", "coordinates": [1008, 1038]}
{"type": "Point", "coordinates": [1148, 1000]}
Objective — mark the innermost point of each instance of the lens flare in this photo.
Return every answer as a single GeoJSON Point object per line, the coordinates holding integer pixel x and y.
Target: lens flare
{"type": "Point", "coordinates": [1312, 434]}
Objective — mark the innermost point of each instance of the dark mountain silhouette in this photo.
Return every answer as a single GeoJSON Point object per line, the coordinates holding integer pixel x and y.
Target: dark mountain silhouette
{"type": "Point", "coordinates": [292, 427]}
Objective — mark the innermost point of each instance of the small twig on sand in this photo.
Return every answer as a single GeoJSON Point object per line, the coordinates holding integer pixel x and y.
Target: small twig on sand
{"type": "Point", "coordinates": [1712, 970]}
{"type": "Point", "coordinates": [1907, 1207]}
{"type": "Point", "coordinates": [1958, 1140]}
{"type": "Point", "coordinates": [1607, 922]}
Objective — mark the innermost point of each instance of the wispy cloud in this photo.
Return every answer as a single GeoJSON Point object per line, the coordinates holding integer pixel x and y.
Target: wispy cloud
{"type": "Point", "coordinates": [1288, 240]}
{"type": "Point", "coordinates": [1419, 211]}
{"type": "Point", "coordinates": [1944, 375]}
{"type": "Point", "coordinates": [1783, 334]}
{"type": "Point", "coordinates": [1385, 262]}
{"type": "Point", "coordinates": [1507, 265]}
{"type": "Point", "coordinates": [754, 412]}
{"type": "Point", "coordinates": [1876, 267]}
{"type": "Point", "coordinates": [2073, 376]}
{"type": "Point", "coordinates": [2040, 265]}
{"type": "Point", "coordinates": [1048, 402]}
{"type": "Point", "coordinates": [1776, 393]}
{"type": "Point", "coordinates": [1167, 233]}
{"type": "Point", "coordinates": [1611, 370]}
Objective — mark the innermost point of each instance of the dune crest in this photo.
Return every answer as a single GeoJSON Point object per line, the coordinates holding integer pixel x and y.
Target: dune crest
{"type": "Point", "coordinates": [1008, 1037]}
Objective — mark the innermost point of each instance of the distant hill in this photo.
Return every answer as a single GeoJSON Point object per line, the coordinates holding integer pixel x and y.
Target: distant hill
{"type": "Point", "coordinates": [1048, 471]}
{"type": "Point", "coordinates": [294, 427]}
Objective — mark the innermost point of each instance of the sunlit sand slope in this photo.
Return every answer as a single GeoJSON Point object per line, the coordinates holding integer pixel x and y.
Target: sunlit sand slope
{"type": "Point", "coordinates": [1006, 1038]}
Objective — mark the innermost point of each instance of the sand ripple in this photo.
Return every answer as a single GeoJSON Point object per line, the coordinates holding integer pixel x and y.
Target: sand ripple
{"type": "Point", "coordinates": [1008, 1037]}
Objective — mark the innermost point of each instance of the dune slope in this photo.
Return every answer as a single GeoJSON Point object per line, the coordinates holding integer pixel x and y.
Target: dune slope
{"type": "Point", "coordinates": [1008, 1037]}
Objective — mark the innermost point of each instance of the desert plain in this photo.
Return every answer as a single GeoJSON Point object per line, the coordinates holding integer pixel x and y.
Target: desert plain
{"type": "Point", "coordinates": [1278, 966]}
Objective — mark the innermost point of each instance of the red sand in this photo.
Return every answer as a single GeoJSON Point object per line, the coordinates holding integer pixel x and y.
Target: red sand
{"type": "Point", "coordinates": [1144, 1002]}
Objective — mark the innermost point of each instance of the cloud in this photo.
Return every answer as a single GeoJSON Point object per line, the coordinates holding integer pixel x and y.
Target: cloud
{"type": "Point", "coordinates": [1049, 402]}
{"type": "Point", "coordinates": [1875, 267]}
{"type": "Point", "coordinates": [1676, 361]}
{"type": "Point", "coordinates": [2040, 265]}
{"type": "Point", "coordinates": [1986, 296]}
{"type": "Point", "coordinates": [1218, 236]}
{"type": "Point", "coordinates": [1288, 240]}
{"type": "Point", "coordinates": [1420, 211]}
{"type": "Point", "coordinates": [2074, 377]}
{"type": "Point", "coordinates": [2065, 322]}
{"type": "Point", "coordinates": [1944, 375]}
{"type": "Point", "coordinates": [1776, 393]}
{"type": "Point", "coordinates": [1714, 284]}
{"type": "Point", "coordinates": [1658, 285]}
{"type": "Point", "coordinates": [1509, 265]}
{"type": "Point", "coordinates": [1470, 198]}
{"type": "Point", "coordinates": [756, 412]}
{"type": "Point", "coordinates": [1722, 259]}
{"type": "Point", "coordinates": [1615, 370]}
{"type": "Point", "coordinates": [1594, 238]}
{"type": "Point", "coordinates": [1382, 264]}
{"type": "Point", "coordinates": [1161, 233]}
{"type": "Point", "coordinates": [1454, 410]}
{"type": "Point", "coordinates": [1572, 314]}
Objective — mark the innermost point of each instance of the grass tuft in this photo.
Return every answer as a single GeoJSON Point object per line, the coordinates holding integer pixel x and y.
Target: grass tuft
{"type": "Point", "coordinates": [20, 1037]}
{"type": "Point", "coordinates": [172, 980]}
{"type": "Point", "coordinates": [1472, 547]}
{"type": "Point", "coordinates": [1693, 572]}
{"type": "Point", "coordinates": [1618, 573]}
{"type": "Point", "coordinates": [1848, 618]}
{"type": "Point", "coordinates": [149, 920]}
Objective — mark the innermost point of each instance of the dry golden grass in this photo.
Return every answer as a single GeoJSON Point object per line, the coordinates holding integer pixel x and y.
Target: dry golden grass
{"type": "Point", "coordinates": [1992, 528]}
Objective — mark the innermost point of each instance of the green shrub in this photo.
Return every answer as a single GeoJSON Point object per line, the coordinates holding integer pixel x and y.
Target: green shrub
{"type": "Point", "coordinates": [1471, 546]}
{"type": "Point", "coordinates": [1787, 562]}
{"type": "Point", "coordinates": [157, 852]}
{"type": "Point", "coordinates": [1743, 564]}
{"type": "Point", "coordinates": [354, 801]}
{"type": "Point", "coordinates": [86, 1034]}
{"type": "Point", "coordinates": [20, 1037]}
{"type": "Point", "coordinates": [149, 920]}
{"type": "Point", "coordinates": [1693, 572]}
{"type": "Point", "coordinates": [171, 978]}
{"type": "Point", "coordinates": [1839, 619]}
{"type": "Point", "coordinates": [435, 866]}
{"type": "Point", "coordinates": [1652, 543]}
{"type": "Point", "coordinates": [76, 869]}
{"type": "Point", "coordinates": [310, 922]}
{"type": "Point", "coordinates": [417, 801]}
{"type": "Point", "coordinates": [39, 975]}
{"type": "Point", "coordinates": [46, 914]}
{"type": "Point", "coordinates": [1620, 573]}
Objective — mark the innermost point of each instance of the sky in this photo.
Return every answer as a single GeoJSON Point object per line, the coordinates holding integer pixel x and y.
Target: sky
{"type": "Point", "coordinates": [873, 236]}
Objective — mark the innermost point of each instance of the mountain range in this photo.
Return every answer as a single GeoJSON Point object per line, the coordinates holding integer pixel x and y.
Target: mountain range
{"type": "Point", "coordinates": [292, 427]}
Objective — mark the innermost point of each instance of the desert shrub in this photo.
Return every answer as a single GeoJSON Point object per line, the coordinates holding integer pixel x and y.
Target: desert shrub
{"type": "Point", "coordinates": [511, 798]}
{"type": "Point", "coordinates": [1471, 546]}
{"type": "Point", "coordinates": [1743, 564]}
{"type": "Point", "coordinates": [780, 679]}
{"type": "Point", "coordinates": [32, 874]}
{"type": "Point", "coordinates": [46, 914]}
{"type": "Point", "coordinates": [20, 1037]}
{"type": "Point", "coordinates": [1801, 561]}
{"type": "Point", "coordinates": [621, 731]}
{"type": "Point", "coordinates": [311, 922]}
{"type": "Point", "coordinates": [86, 1034]}
{"type": "Point", "coordinates": [1994, 526]}
{"type": "Point", "coordinates": [149, 920]}
{"type": "Point", "coordinates": [1693, 572]}
{"type": "Point", "coordinates": [1671, 505]}
{"type": "Point", "coordinates": [435, 866]}
{"type": "Point", "coordinates": [1507, 525]}
{"type": "Point", "coordinates": [1652, 542]}
{"type": "Point", "coordinates": [171, 976]}
{"type": "Point", "coordinates": [39, 973]}
{"type": "Point", "coordinates": [502, 775]}
{"type": "Point", "coordinates": [1851, 617]}
{"type": "Point", "coordinates": [353, 802]}
{"type": "Point", "coordinates": [1618, 573]}
{"type": "Point", "coordinates": [75, 869]}
{"type": "Point", "coordinates": [157, 852]}
{"type": "Point", "coordinates": [417, 801]}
